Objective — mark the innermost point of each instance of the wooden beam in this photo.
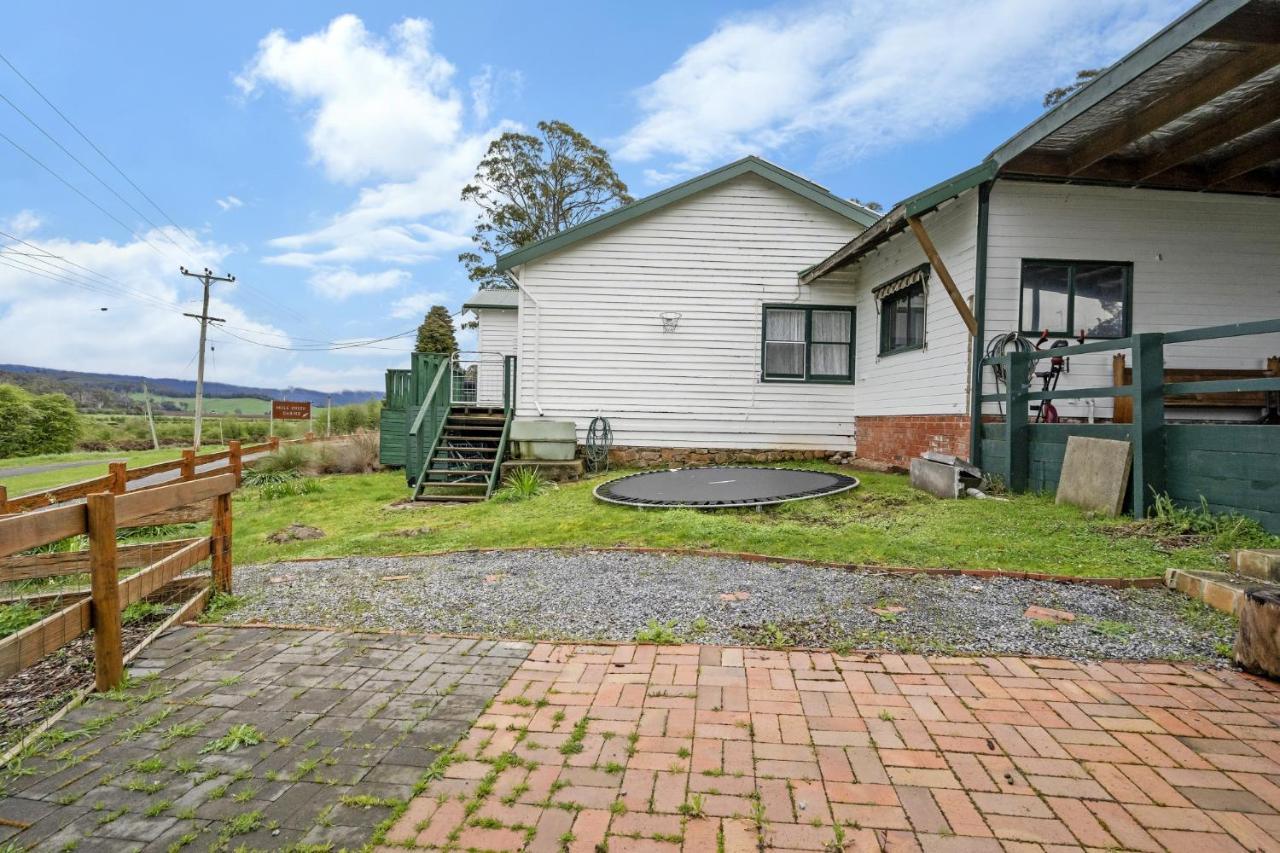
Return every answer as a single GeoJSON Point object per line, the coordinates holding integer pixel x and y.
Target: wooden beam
{"type": "Point", "coordinates": [63, 563]}
{"type": "Point", "coordinates": [962, 307]}
{"type": "Point", "coordinates": [1247, 26]}
{"type": "Point", "coordinates": [20, 532]}
{"type": "Point", "coordinates": [144, 502]}
{"type": "Point", "coordinates": [1180, 101]}
{"type": "Point", "coordinates": [1242, 162]}
{"type": "Point", "coordinates": [104, 576]}
{"type": "Point", "coordinates": [1257, 112]}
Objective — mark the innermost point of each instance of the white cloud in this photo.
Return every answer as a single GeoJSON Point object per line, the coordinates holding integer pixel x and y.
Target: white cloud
{"type": "Point", "coordinates": [381, 107]}
{"type": "Point", "coordinates": [344, 282]}
{"type": "Point", "coordinates": [23, 223]}
{"type": "Point", "coordinates": [384, 111]}
{"type": "Point", "coordinates": [416, 305]}
{"type": "Point", "coordinates": [55, 324]}
{"type": "Point", "coordinates": [228, 203]}
{"type": "Point", "coordinates": [489, 86]}
{"type": "Point", "coordinates": [855, 78]}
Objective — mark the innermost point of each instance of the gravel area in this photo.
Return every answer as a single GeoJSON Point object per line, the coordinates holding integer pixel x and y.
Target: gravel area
{"type": "Point", "coordinates": [602, 595]}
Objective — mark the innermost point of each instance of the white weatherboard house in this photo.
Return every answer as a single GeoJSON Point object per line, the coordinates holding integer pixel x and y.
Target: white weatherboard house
{"type": "Point", "coordinates": [750, 310]}
{"type": "Point", "coordinates": [651, 315]}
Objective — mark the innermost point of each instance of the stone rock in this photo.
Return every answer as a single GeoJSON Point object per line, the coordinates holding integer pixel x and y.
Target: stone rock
{"type": "Point", "coordinates": [295, 532]}
{"type": "Point", "coordinates": [734, 596]}
{"type": "Point", "coordinates": [1095, 474]}
{"type": "Point", "coordinates": [1048, 614]}
{"type": "Point", "coordinates": [1260, 563]}
{"type": "Point", "coordinates": [1258, 642]}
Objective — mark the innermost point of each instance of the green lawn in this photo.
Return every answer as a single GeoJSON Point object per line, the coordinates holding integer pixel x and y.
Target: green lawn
{"type": "Point", "coordinates": [885, 522]}
{"type": "Point", "coordinates": [212, 405]}
{"type": "Point", "coordinates": [95, 465]}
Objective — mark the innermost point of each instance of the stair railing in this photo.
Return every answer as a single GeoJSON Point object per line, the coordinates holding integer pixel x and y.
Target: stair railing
{"type": "Point", "coordinates": [430, 420]}
{"type": "Point", "coordinates": [508, 411]}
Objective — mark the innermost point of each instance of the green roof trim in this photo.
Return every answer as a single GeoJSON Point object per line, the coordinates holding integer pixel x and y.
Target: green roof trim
{"type": "Point", "coordinates": [747, 165]}
{"type": "Point", "coordinates": [926, 200]}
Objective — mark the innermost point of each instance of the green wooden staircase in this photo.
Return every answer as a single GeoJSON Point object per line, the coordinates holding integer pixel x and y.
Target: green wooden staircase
{"type": "Point", "coordinates": [457, 441]}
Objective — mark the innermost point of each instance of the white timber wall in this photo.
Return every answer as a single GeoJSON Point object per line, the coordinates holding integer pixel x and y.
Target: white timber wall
{"type": "Point", "coordinates": [496, 337]}
{"type": "Point", "coordinates": [592, 341]}
{"type": "Point", "coordinates": [933, 380]}
{"type": "Point", "coordinates": [1199, 259]}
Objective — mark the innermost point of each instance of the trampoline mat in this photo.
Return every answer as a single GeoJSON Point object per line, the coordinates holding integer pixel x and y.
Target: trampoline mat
{"type": "Point", "coordinates": [721, 486]}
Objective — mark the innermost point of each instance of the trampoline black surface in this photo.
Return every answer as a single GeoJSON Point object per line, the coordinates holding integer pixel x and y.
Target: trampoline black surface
{"type": "Point", "coordinates": [721, 486]}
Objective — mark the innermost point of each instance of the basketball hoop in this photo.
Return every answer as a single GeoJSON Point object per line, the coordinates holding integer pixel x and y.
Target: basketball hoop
{"type": "Point", "coordinates": [670, 320]}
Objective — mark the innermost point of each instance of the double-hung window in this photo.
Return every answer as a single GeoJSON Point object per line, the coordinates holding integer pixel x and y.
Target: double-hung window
{"type": "Point", "coordinates": [902, 311]}
{"type": "Point", "coordinates": [1067, 297]}
{"type": "Point", "coordinates": [807, 343]}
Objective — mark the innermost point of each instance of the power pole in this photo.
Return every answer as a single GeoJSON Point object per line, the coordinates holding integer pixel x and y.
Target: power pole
{"type": "Point", "coordinates": [206, 278]}
{"type": "Point", "coordinates": [146, 398]}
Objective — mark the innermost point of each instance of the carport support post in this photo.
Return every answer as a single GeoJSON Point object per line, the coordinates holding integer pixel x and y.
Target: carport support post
{"type": "Point", "coordinates": [1017, 433]}
{"type": "Point", "coordinates": [1148, 421]}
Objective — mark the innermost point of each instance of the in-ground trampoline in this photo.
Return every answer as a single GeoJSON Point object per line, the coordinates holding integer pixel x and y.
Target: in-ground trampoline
{"type": "Point", "coordinates": [718, 487]}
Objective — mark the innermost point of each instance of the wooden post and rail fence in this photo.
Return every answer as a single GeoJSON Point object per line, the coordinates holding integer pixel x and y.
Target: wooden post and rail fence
{"type": "Point", "coordinates": [101, 517]}
{"type": "Point", "coordinates": [119, 475]}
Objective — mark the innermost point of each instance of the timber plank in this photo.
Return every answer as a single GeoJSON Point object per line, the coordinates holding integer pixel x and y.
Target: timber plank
{"type": "Point", "coordinates": [48, 497]}
{"type": "Point", "coordinates": [51, 633]}
{"type": "Point", "coordinates": [20, 532]}
{"type": "Point", "coordinates": [1241, 438]}
{"type": "Point", "coordinates": [191, 514]}
{"type": "Point", "coordinates": [136, 505]}
{"type": "Point", "coordinates": [28, 566]}
{"type": "Point", "coordinates": [150, 579]}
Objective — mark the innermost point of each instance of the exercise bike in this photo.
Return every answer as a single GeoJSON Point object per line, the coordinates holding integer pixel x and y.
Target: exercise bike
{"type": "Point", "coordinates": [1046, 412]}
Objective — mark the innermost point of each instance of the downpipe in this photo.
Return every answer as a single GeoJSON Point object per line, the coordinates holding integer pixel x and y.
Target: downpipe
{"type": "Point", "coordinates": [537, 339]}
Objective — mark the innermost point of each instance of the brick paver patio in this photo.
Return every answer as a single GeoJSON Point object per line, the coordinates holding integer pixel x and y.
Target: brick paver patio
{"type": "Point", "coordinates": [336, 729]}
{"type": "Point", "coordinates": [701, 748]}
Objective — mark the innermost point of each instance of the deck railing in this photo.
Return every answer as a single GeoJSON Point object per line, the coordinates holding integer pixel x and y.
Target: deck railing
{"type": "Point", "coordinates": [1008, 451]}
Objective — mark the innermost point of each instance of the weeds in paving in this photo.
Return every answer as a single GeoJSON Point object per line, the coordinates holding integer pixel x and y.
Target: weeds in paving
{"type": "Point", "coordinates": [240, 735]}
{"type": "Point", "coordinates": [658, 634]}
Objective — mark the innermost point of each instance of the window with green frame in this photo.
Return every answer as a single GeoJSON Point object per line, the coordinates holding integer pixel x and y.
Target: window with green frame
{"type": "Point", "coordinates": [902, 320]}
{"type": "Point", "coordinates": [807, 343]}
{"type": "Point", "coordinates": [1069, 297]}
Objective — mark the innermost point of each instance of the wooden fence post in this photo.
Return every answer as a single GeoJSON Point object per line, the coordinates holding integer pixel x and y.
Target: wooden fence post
{"type": "Point", "coordinates": [4, 499]}
{"type": "Point", "coordinates": [311, 436]}
{"type": "Point", "coordinates": [108, 656]}
{"type": "Point", "coordinates": [220, 544]}
{"type": "Point", "coordinates": [235, 461]}
{"type": "Point", "coordinates": [1017, 433]}
{"type": "Point", "coordinates": [275, 442]}
{"type": "Point", "coordinates": [1148, 421]}
{"type": "Point", "coordinates": [119, 477]}
{"type": "Point", "coordinates": [188, 464]}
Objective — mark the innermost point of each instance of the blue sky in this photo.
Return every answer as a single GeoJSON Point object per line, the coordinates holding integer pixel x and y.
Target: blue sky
{"type": "Point", "coordinates": [317, 150]}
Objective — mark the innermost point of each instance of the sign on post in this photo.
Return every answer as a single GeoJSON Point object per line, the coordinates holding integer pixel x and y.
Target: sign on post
{"type": "Point", "coordinates": [289, 410]}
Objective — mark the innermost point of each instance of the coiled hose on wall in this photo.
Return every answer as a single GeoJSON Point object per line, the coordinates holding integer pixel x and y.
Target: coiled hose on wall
{"type": "Point", "coordinates": [599, 440]}
{"type": "Point", "coordinates": [1002, 345]}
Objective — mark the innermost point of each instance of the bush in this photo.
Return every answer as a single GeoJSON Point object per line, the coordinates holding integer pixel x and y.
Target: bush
{"type": "Point", "coordinates": [356, 455]}
{"type": "Point", "coordinates": [32, 424]}
{"type": "Point", "coordinates": [290, 457]}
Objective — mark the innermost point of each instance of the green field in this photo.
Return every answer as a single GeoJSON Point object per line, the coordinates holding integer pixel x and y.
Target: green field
{"type": "Point", "coordinates": [212, 405]}
{"type": "Point", "coordinates": [95, 465]}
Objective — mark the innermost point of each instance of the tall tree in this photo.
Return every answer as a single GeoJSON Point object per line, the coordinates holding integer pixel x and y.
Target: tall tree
{"type": "Point", "coordinates": [530, 187]}
{"type": "Point", "coordinates": [436, 332]}
{"type": "Point", "coordinates": [1057, 95]}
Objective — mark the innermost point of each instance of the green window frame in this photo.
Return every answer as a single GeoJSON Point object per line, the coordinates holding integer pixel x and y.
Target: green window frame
{"type": "Point", "coordinates": [903, 303]}
{"type": "Point", "coordinates": [807, 343]}
{"type": "Point", "coordinates": [1077, 287]}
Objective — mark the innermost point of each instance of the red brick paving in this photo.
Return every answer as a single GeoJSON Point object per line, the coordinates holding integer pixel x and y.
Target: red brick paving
{"type": "Point", "coordinates": [646, 748]}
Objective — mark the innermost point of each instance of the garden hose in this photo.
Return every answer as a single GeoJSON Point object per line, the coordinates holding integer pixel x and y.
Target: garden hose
{"type": "Point", "coordinates": [599, 440]}
{"type": "Point", "coordinates": [1001, 345]}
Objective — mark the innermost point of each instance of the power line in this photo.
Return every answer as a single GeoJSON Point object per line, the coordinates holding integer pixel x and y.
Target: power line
{"type": "Point", "coordinates": [92, 173]}
{"type": "Point", "coordinates": [91, 144]}
{"type": "Point", "coordinates": [79, 192]}
{"type": "Point", "coordinates": [335, 346]}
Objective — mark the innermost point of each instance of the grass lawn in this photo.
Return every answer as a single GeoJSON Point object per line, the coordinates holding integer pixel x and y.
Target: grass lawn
{"type": "Point", "coordinates": [95, 465]}
{"type": "Point", "coordinates": [885, 522]}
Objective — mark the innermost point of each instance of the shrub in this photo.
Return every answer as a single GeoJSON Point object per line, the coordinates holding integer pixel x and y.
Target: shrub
{"type": "Point", "coordinates": [522, 484]}
{"type": "Point", "coordinates": [15, 617]}
{"type": "Point", "coordinates": [32, 424]}
{"type": "Point", "coordinates": [290, 457]}
{"type": "Point", "coordinates": [356, 455]}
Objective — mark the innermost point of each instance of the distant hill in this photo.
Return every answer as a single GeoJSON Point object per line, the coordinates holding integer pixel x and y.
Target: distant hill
{"type": "Point", "coordinates": [120, 392]}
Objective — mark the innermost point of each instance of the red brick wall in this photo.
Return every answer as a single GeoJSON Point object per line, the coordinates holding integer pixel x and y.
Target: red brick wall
{"type": "Point", "coordinates": [896, 439]}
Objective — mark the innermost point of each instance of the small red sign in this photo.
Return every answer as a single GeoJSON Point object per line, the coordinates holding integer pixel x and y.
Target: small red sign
{"type": "Point", "coordinates": [288, 410]}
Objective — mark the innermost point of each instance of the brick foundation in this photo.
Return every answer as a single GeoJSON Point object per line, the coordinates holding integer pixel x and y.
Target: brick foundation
{"type": "Point", "coordinates": [644, 457]}
{"type": "Point", "coordinates": [897, 439]}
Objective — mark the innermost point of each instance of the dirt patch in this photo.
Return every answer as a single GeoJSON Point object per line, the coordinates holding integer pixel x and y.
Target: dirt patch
{"type": "Point", "coordinates": [295, 532]}
{"type": "Point", "coordinates": [28, 697]}
{"type": "Point", "coordinates": [1164, 538]}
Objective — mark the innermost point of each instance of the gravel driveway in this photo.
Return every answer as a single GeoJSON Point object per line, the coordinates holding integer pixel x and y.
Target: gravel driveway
{"type": "Point", "coordinates": [602, 595]}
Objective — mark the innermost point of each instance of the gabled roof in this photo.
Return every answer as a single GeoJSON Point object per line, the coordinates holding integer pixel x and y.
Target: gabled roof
{"type": "Point", "coordinates": [508, 299]}
{"type": "Point", "coordinates": [1195, 107]}
{"type": "Point", "coordinates": [747, 165]}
